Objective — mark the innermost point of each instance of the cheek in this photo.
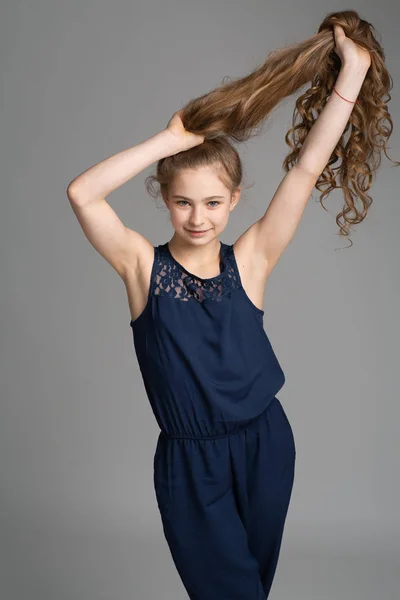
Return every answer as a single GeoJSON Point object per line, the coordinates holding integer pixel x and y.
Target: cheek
{"type": "Point", "coordinates": [177, 218]}
{"type": "Point", "coordinates": [223, 217]}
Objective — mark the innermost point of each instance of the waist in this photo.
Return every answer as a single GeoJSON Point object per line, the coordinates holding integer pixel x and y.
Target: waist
{"type": "Point", "coordinates": [233, 428]}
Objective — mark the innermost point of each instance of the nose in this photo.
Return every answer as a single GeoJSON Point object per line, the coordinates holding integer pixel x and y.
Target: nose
{"type": "Point", "coordinates": [196, 220]}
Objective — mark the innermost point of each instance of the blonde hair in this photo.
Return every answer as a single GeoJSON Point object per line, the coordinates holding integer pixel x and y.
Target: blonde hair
{"type": "Point", "coordinates": [238, 109]}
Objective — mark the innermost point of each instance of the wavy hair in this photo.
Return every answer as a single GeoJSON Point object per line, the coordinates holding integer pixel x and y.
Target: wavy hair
{"type": "Point", "coordinates": [237, 109]}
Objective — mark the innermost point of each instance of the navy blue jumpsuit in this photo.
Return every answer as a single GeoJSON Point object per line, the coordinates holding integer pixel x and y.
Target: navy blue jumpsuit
{"type": "Point", "coordinates": [225, 457]}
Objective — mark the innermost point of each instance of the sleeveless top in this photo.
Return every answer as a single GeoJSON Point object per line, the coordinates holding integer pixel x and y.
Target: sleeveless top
{"type": "Point", "coordinates": [205, 358]}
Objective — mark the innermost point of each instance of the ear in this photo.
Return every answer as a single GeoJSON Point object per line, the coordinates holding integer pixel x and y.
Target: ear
{"type": "Point", "coordinates": [235, 197]}
{"type": "Point", "coordinates": [164, 197]}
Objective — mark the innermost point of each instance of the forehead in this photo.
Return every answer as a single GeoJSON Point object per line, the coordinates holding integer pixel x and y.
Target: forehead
{"type": "Point", "coordinates": [198, 183]}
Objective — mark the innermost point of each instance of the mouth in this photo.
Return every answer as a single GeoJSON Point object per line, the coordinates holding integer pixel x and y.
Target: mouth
{"type": "Point", "coordinates": [198, 230]}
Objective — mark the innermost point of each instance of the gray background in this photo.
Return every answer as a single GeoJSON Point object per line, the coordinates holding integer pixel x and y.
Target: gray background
{"type": "Point", "coordinates": [79, 521]}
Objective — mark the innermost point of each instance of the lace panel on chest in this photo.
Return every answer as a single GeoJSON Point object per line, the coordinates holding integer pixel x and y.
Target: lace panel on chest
{"type": "Point", "coordinates": [169, 279]}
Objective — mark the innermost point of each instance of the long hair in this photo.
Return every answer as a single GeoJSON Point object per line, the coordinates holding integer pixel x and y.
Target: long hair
{"type": "Point", "coordinates": [237, 109]}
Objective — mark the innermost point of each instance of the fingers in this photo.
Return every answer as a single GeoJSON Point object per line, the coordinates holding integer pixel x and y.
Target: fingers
{"type": "Point", "coordinates": [339, 31]}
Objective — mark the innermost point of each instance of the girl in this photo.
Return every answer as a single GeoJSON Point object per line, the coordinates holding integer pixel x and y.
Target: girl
{"type": "Point", "coordinates": [225, 456]}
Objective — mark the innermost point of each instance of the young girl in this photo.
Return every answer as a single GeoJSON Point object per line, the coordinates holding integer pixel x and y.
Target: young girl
{"type": "Point", "coordinates": [225, 456]}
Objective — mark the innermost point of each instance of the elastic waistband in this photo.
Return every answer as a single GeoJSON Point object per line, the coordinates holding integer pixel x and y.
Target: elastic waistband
{"type": "Point", "coordinates": [239, 426]}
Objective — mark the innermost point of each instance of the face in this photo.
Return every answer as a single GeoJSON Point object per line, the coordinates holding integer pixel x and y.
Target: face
{"type": "Point", "coordinates": [199, 200]}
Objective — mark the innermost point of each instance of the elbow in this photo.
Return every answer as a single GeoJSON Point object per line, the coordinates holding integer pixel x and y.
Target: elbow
{"type": "Point", "coordinates": [76, 194]}
{"type": "Point", "coordinates": [71, 191]}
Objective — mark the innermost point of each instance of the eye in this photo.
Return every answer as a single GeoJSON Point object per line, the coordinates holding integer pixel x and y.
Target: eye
{"type": "Point", "coordinates": [211, 202]}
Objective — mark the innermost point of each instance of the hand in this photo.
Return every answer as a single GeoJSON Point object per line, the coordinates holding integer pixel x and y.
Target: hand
{"type": "Point", "coordinates": [348, 51]}
{"type": "Point", "coordinates": [184, 138]}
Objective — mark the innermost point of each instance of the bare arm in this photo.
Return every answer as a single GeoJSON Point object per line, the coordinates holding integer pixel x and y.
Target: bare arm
{"type": "Point", "coordinates": [109, 174]}
{"type": "Point", "coordinates": [329, 126]}
{"type": "Point", "coordinates": [118, 244]}
{"type": "Point", "coordinates": [270, 235]}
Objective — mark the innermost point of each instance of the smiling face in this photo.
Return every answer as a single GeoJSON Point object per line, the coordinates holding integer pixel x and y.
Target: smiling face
{"type": "Point", "coordinates": [198, 200]}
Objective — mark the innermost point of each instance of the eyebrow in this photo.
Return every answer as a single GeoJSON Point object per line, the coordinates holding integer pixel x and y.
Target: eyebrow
{"type": "Point", "coordinates": [209, 197]}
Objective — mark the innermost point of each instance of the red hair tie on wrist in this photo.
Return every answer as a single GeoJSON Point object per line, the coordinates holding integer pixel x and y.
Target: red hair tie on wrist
{"type": "Point", "coordinates": [356, 102]}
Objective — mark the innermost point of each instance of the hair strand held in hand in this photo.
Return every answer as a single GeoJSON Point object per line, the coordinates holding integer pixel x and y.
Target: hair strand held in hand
{"type": "Point", "coordinates": [238, 109]}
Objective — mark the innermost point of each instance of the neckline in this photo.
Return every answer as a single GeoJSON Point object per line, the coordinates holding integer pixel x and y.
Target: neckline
{"type": "Point", "coordinates": [223, 265]}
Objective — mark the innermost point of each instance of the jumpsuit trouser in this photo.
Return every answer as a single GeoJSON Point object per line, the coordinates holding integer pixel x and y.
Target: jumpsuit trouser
{"type": "Point", "coordinates": [223, 502]}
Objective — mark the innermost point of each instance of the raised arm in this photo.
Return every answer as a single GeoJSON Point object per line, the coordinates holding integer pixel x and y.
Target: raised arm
{"type": "Point", "coordinates": [118, 244]}
{"type": "Point", "coordinates": [270, 235]}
